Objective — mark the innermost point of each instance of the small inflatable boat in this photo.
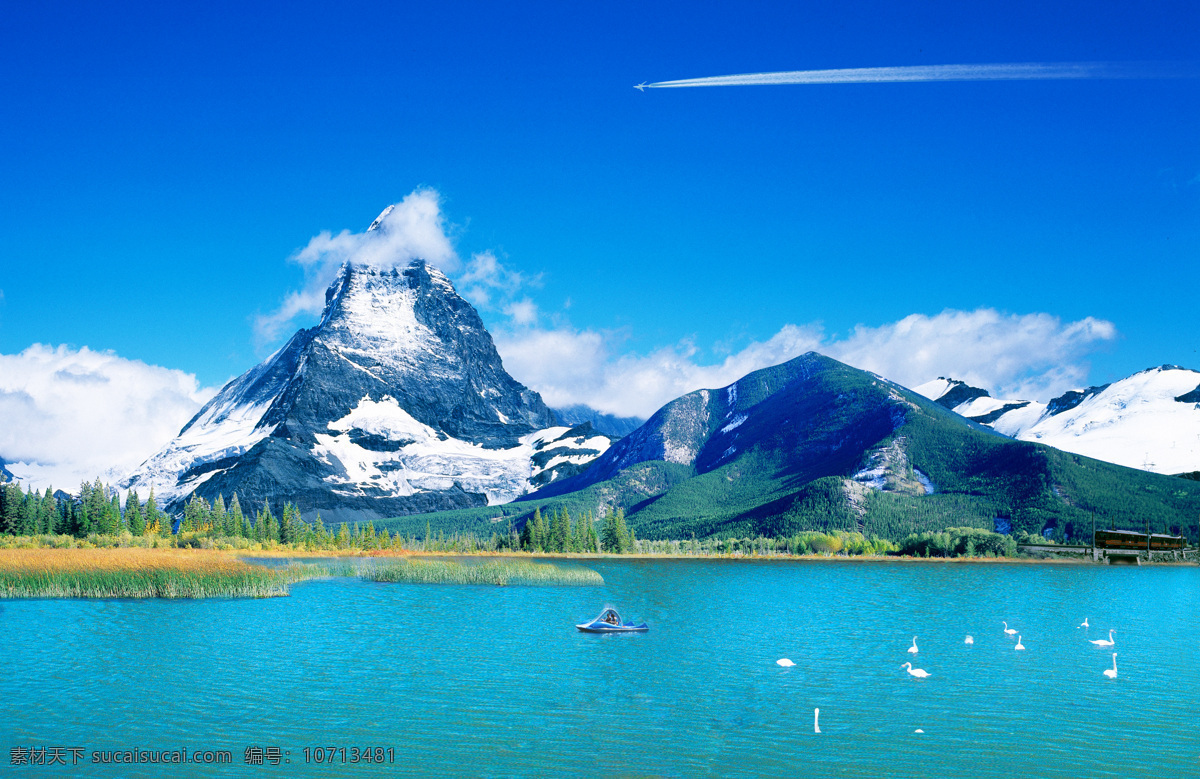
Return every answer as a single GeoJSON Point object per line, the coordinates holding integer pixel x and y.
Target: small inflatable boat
{"type": "Point", "coordinates": [609, 621]}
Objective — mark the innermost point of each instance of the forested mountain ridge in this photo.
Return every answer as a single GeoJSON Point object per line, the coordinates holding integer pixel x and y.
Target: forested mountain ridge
{"type": "Point", "coordinates": [814, 444]}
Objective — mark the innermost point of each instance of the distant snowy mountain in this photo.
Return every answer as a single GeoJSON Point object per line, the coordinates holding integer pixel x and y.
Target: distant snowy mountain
{"type": "Point", "coordinates": [608, 424]}
{"type": "Point", "coordinates": [1150, 420]}
{"type": "Point", "coordinates": [397, 402]}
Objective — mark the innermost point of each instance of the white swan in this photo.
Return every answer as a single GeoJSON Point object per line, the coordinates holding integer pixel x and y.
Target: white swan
{"type": "Point", "coordinates": [1111, 673]}
{"type": "Point", "coordinates": [1008, 630]}
{"type": "Point", "coordinates": [816, 714]}
{"type": "Point", "coordinates": [784, 662]}
{"type": "Point", "coordinates": [912, 650]}
{"type": "Point", "coordinates": [968, 640]}
{"type": "Point", "coordinates": [1103, 641]}
{"type": "Point", "coordinates": [917, 672]}
{"type": "Point", "coordinates": [1019, 644]}
{"type": "Point", "coordinates": [1084, 625]}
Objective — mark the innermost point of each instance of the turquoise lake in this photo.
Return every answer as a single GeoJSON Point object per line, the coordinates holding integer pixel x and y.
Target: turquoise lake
{"type": "Point", "coordinates": [496, 681]}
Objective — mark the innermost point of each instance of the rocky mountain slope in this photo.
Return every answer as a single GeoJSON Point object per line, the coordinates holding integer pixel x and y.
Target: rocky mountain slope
{"type": "Point", "coordinates": [397, 402]}
{"type": "Point", "coordinates": [1150, 420]}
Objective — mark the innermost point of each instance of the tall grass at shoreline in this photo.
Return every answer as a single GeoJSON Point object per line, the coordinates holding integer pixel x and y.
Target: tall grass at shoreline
{"type": "Point", "coordinates": [500, 572]}
{"type": "Point", "coordinates": [139, 573]}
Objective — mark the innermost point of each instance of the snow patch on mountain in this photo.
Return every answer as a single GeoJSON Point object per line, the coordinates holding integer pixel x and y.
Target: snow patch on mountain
{"type": "Point", "coordinates": [381, 449]}
{"type": "Point", "coordinates": [735, 423]}
{"type": "Point", "coordinates": [1146, 421]}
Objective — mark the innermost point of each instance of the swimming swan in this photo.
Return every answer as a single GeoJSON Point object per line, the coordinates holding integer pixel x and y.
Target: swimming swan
{"type": "Point", "coordinates": [1103, 641]}
{"type": "Point", "coordinates": [912, 650]}
{"type": "Point", "coordinates": [1008, 630]}
{"type": "Point", "coordinates": [1111, 673]}
{"type": "Point", "coordinates": [917, 672]}
{"type": "Point", "coordinates": [1084, 625]}
{"type": "Point", "coordinates": [784, 662]}
{"type": "Point", "coordinates": [1019, 644]}
{"type": "Point", "coordinates": [968, 640]}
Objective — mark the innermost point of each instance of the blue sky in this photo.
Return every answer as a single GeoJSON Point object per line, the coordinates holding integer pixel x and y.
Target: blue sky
{"type": "Point", "coordinates": [162, 164]}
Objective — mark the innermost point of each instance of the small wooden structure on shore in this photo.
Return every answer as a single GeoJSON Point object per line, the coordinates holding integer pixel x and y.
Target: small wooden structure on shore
{"type": "Point", "coordinates": [1129, 546]}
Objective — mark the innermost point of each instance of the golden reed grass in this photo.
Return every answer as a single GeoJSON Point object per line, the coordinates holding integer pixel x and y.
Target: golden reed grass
{"type": "Point", "coordinates": [135, 573]}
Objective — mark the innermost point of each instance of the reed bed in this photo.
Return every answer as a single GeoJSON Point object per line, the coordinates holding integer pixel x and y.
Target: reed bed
{"type": "Point", "coordinates": [501, 572]}
{"type": "Point", "coordinates": [139, 573]}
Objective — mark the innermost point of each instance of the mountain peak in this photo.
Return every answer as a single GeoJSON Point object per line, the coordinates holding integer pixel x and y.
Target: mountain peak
{"type": "Point", "coordinates": [379, 219]}
{"type": "Point", "coordinates": [396, 402]}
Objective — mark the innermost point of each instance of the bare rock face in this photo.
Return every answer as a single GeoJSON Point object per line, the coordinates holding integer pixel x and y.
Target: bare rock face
{"type": "Point", "coordinates": [396, 403]}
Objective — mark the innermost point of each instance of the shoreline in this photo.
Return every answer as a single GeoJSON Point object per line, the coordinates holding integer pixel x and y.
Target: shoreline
{"type": "Point", "coordinates": [307, 554]}
{"type": "Point", "coordinates": [1077, 560]}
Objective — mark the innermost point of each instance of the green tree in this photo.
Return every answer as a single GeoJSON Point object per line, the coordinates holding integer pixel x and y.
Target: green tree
{"type": "Point", "coordinates": [49, 513]}
{"type": "Point", "coordinates": [115, 521]}
{"type": "Point", "coordinates": [237, 520]}
{"type": "Point", "coordinates": [10, 508]}
{"type": "Point", "coordinates": [553, 531]}
{"type": "Point", "coordinates": [219, 517]}
{"type": "Point", "coordinates": [266, 525]}
{"type": "Point", "coordinates": [27, 515]}
{"type": "Point", "coordinates": [154, 518]}
{"type": "Point", "coordinates": [615, 538]}
{"type": "Point", "coordinates": [133, 514]}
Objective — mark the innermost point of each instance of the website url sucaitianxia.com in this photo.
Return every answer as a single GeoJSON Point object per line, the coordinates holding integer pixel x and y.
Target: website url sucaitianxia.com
{"type": "Point", "coordinates": [253, 755]}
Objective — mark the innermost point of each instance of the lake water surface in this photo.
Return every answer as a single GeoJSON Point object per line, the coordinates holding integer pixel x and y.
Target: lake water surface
{"type": "Point", "coordinates": [496, 681]}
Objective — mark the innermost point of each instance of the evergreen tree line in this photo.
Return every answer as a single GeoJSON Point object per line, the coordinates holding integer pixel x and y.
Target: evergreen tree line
{"type": "Point", "coordinates": [563, 534]}
{"type": "Point", "coordinates": [97, 510]}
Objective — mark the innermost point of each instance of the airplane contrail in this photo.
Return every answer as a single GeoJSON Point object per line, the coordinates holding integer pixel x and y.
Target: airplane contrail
{"type": "Point", "coordinates": [1019, 71]}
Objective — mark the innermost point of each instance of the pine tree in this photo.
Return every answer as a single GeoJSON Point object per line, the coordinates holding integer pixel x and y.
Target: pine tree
{"type": "Point", "coordinates": [115, 521]}
{"type": "Point", "coordinates": [27, 520]}
{"type": "Point", "coordinates": [155, 518]}
{"type": "Point", "coordinates": [563, 538]}
{"type": "Point", "coordinates": [193, 515]}
{"type": "Point", "coordinates": [133, 514]}
{"type": "Point", "coordinates": [285, 524]}
{"type": "Point", "coordinates": [49, 514]}
{"type": "Point", "coordinates": [265, 525]}
{"type": "Point", "coordinates": [82, 524]}
{"type": "Point", "coordinates": [220, 517]}
{"type": "Point", "coordinates": [237, 520]}
{"type": "Point", "coordinates": [552, 532]}
{"type": "Point", "coordinates": [318, 530]}
{"type": "Point", "coordinates": [615, 537]}
{"type": "Point", "coordinates": [343, 536]}
{"type": "Point", "coordinates": [526, 538]}
{"type": "Point", "coordinates": [10, 508]}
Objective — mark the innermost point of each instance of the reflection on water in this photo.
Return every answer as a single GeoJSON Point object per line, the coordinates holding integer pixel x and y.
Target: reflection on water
{"type": "Point", "coordinates": [469, 680]}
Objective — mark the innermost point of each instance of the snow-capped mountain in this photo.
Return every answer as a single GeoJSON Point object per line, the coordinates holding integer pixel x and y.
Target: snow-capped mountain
{"type": "Point", "coordinates": [397, 402]}
{"type": "Point", "coordinates": [1150, 420]}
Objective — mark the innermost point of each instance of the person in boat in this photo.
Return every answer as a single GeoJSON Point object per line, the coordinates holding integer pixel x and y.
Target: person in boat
{"type": "Point", "coordinates": [611, 617]}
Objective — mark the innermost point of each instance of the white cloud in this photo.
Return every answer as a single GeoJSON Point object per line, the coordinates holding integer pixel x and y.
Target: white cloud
{"type": "Point", "coordinates": [1031, 356]}
{"type": "Point", "coordinates": [582, 366]}
{"type": "Point", "coordinates": [1028, 356]}
{"type": "Point", "coordinates": [411, 229]}
{"type": "Point", "coordinates": [522, 312]}
{"type": "Point", "coordinates": [70, 415]}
